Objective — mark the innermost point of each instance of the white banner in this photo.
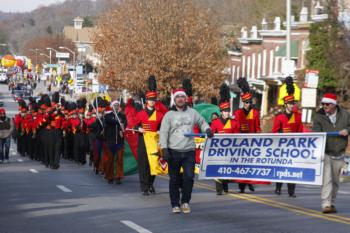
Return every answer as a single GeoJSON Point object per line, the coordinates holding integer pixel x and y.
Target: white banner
{"type": "Point", "coordinates": [285, 158]}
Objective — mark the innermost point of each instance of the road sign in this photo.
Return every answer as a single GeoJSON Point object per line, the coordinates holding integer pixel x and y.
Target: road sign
{"type": "Point", "coordinates": [311, 78]}
{"type": "Point", "coordinates": [62, 55]}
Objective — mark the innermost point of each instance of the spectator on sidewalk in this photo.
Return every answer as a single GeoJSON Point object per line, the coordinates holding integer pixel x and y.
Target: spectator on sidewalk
{"type": "Point", "coordinates": [6, 127]}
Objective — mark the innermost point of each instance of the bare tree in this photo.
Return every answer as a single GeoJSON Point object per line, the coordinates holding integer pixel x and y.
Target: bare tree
{"type": "Point", "coordinates": [171, 39]}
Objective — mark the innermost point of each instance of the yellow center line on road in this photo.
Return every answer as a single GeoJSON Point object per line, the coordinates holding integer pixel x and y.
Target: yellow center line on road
{"type": "Point", "coordinates": [282, 205]}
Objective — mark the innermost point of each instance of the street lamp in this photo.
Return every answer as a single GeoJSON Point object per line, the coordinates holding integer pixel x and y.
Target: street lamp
{"type": "Point", "coordinates": [49, 57]}
{"type": "Point", "coordinates": [62, 47]}
{"type": "Point", "coordinates": [50, 52]}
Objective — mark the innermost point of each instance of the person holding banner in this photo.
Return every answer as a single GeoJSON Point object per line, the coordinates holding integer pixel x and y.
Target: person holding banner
{"type": "Point", "coordinates": [288, 121]}
{"type": "Point", "coordinates": [331, 117]}
{"type": "Point", "coordinates": [178, 150]}
{"type": "Point", "coordinates": [249, 122]}
{"type": "Point", "coordinates": [224, 124]}
{"type": "Point", "coordinates": [148, 123]}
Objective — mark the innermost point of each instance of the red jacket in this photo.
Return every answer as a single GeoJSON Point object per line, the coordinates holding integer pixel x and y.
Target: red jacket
{"type": "Point", "coordinates": [76, 125]}
{"type": "Point", "coordinates": [221, 125]}
{"type": "Point", "coordinates": [284, 123]}
{"type": "Point", "coordinates": [27, 123]}
{"type": "Point", "coordinates": [249, 122]}
{"type": "Point", "coordinates": [56, 121]}
{"type": "Point", "coordinates": [149, 122]}
{"type": "Point", "coordinates": [18, 121]}
{"type": "Point", "coordinates": [88, 123]}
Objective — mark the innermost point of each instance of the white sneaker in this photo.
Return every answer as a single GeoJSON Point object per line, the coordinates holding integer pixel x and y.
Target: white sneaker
{"type": "Point", "coordinates": [176, 210]}
{"type": "Point", "coordinates": [185, 207]}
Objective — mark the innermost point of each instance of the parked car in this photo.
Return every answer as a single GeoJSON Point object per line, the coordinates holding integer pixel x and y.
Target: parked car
{"type": "Point", "coordinates": [22, 90]}
{"type": "Point", "coordinates": [3, 78]}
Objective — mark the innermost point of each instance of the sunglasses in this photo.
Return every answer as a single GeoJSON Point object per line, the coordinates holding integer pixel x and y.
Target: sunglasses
{"type": "Point", "coordinates": [180, 96]}
{"type": "Point", "coordinates": [248, 102]}
{"type": "Point", "coordinates": [326, 104]}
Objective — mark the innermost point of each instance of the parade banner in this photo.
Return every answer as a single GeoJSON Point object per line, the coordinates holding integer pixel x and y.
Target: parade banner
{"type": "Point", "coordinates": [285, 158]}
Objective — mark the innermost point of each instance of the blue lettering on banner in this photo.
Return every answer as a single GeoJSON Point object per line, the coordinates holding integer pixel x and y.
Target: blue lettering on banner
{"type": "Point", "coordinates": [261, 172]}
{"type": "Point", "coordinates": [298, 142]}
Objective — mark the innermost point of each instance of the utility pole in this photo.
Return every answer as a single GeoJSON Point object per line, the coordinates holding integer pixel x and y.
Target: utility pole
{"type": "Point", "coordinates": [288, 21]}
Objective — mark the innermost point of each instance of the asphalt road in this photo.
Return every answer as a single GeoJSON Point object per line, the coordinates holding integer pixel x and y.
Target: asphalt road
{"type": "Point", "coordinates": [72, 199]}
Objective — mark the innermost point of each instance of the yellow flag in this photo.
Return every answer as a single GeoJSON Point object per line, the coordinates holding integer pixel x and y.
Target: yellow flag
{"type": "Point", "coordinates": [283, 92]}
{"type": "Point", "coordinates": [157, 165]}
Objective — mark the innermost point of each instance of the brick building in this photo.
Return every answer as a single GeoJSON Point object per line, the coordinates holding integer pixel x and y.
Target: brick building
{"type": "Point", "coordinates": [261, 57]}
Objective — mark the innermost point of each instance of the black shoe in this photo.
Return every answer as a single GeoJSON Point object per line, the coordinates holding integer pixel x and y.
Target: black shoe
{"type": "Point", "coordinates": [242, 191]}
{"type": "Point", "coordinates": [278, 191]}
{"type": "Point", "coordinates": [145, 193]}
{"type": "Point", "coordinates": [152, 189]}
{"type": "Point", "coordinates": [118, 181]}
{"type": "Point", "coordinates": [96, 171]}
{"type": "Point", "coordinates": [219, 193]}
{"type": "Point", "coordinates": [110, 181]}
{"type": "Point", "coordinates": [251, 187]}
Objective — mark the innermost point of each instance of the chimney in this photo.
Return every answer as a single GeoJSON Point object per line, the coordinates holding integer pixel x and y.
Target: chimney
{"type": "Point", "coordinates": [318, 8]}
{"type": "Point", "coordinates": [244, 33]}
{"type": "Point", "coordinates": [277, 23]}
{"type": "Point", "coordinates": [264, 25]}
{"type": "Point", "coordinates": [254, 33]}
{"type": "Point", "coordinates": [304, 15]}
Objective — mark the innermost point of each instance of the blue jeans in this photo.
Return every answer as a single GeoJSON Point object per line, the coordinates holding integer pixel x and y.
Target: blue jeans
{"type": "Point", "coordinates": [186, 160]}
{"type": "Point", "coordinates": [5, 148]}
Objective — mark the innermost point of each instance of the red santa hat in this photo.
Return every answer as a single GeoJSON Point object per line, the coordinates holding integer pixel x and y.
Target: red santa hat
{"type": "Point", "coordinates": [175, 93]}
{"type": "Point", "coordinates": [2, 111]}
{"type": "Point", "coordinates": [329, 98]}
{"type": "Point", "coordinates": [178, 92]}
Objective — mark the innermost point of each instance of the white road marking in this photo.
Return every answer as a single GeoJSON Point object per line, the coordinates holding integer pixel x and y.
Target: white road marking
{"type": "Point", "coordinates": [64, 189]}
{"type": "Point", "coordinates": [343, 192]}
{"type": "Point", "coordinates": [33, 171]}
{"type": "Point", "coordinates": [20, 160]}
{"type": "Point", "coordinates": [134, 226]}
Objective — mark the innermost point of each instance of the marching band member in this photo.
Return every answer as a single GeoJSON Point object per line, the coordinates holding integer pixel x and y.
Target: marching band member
{"type": "Point", "coordinates": [288, 121]}
{"type": "Point", "coordinates": [249, 122]}
{"type": "Point", "coordinates": [224, 124]}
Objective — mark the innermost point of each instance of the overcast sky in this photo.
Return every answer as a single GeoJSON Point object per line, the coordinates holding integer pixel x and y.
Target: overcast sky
{"type": "Point", "coordinates": [24, 5]}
